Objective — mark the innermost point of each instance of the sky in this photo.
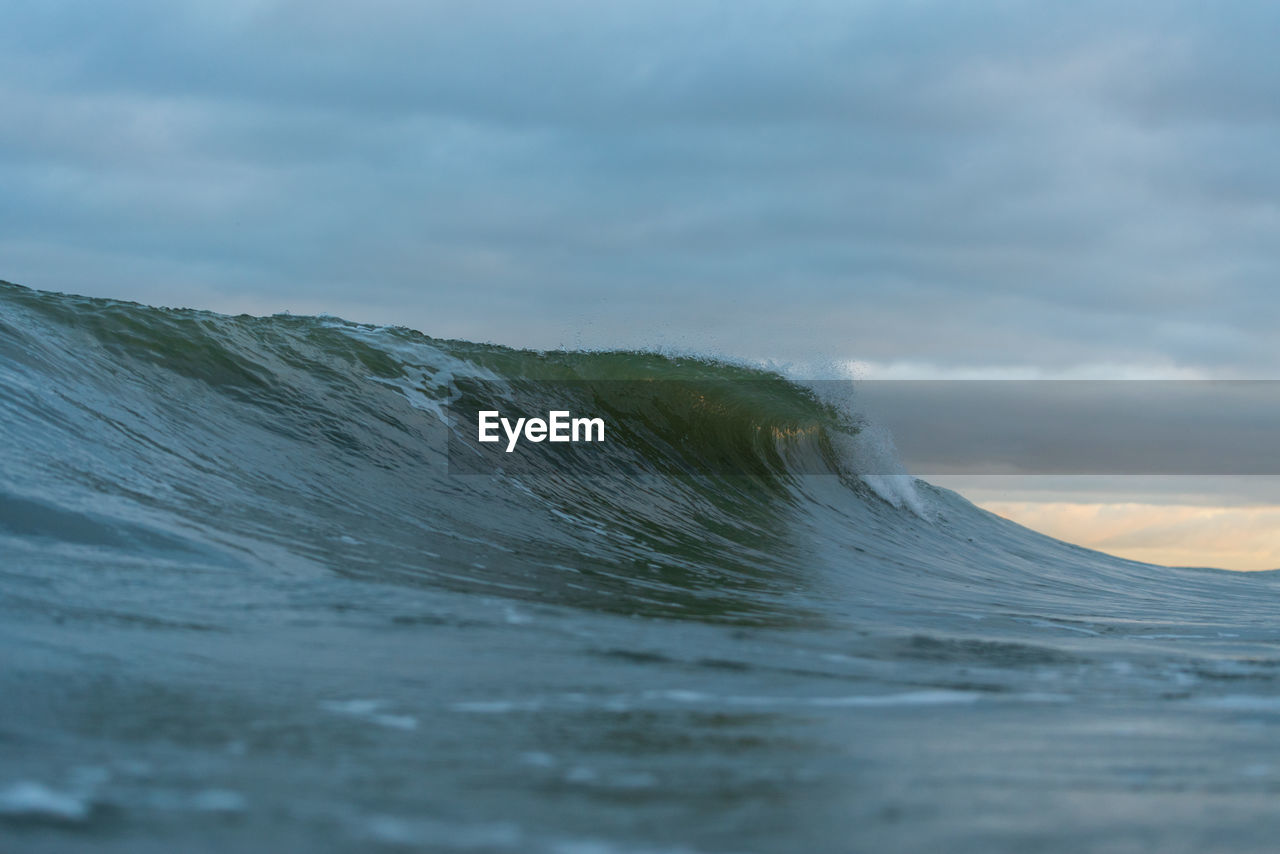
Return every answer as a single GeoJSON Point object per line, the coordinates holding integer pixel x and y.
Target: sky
{"type": "Point", "coordinates": [930, 189]}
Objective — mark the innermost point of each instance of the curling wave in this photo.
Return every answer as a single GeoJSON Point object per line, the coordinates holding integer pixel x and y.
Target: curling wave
{"type": "Point", "coordinates": [316, 441]}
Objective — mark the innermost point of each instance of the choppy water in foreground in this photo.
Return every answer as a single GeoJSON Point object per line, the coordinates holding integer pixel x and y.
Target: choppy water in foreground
{"type": "Point", "coordinates": [245, 607]}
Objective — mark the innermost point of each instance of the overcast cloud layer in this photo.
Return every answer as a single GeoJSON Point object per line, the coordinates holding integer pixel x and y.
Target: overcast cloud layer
{"type": "Point", "coordinates": [982, 184]}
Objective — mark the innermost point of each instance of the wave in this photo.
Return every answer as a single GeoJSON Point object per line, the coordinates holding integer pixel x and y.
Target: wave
{"type": "Point", "coordinates": [287, 443]}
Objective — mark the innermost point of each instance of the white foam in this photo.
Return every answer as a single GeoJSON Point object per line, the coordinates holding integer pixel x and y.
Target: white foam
{"type": "Point", "coordinates": [679, 695]}
{"type": "Point", "coordinates": [683, 696]}
{"type": "Point", "coordinates": [36, 800]}
{"type": "Point", "coordinates": [909, 698]}
{"type": "Point", "coordinates": [424, 366]}
{"type": "Point", "coordinates": [516, 618]}
{"type": "Point", "coordinates": [369, 710]}
{"type": "Point", "coordinates": [352, 707]}
{"type": "Point", "coordinates": [871, 454]}
{"type": "Point", "coordinates": [874, 458]}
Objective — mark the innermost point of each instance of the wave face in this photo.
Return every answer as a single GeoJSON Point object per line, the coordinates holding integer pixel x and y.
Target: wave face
{"type": "Point", "coordinates": [248, 606]}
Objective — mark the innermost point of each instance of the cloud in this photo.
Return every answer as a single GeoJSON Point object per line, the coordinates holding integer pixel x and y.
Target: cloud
{"type": "Point", "coordinates": [983, 184]}
{"type": "Point", "coordinates": [1242, 538]}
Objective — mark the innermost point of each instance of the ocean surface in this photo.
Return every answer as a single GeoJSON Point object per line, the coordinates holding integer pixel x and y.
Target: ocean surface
{"type": "Point", "coordinates": [246, 604]}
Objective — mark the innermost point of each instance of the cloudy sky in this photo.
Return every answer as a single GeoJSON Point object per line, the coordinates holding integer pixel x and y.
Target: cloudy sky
{"type": "Point", "coordinates": [945, 189]}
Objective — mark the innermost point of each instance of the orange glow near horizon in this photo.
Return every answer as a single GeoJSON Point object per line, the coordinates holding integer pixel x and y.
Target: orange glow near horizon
{"type": "Point", "coordinates": [1239, 538]}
